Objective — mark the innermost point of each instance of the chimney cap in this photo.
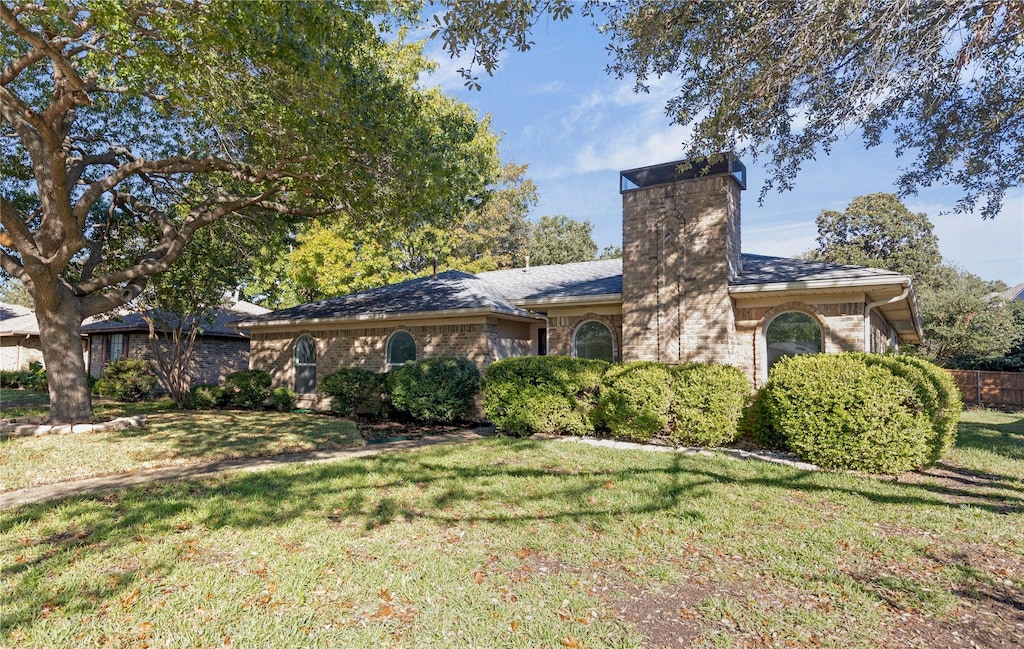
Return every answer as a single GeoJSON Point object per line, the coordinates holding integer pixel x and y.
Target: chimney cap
{"type": "Point", "coordinates": [672, 172]}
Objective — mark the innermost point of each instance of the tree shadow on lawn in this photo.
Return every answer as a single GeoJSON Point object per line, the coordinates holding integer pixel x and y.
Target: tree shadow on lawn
{"type": "Point", "coordinates": [232, 434]}
{"type": "Point", "coordinates": [1005, 439]}
{"type": "Point", "coordinates": [374, 493]}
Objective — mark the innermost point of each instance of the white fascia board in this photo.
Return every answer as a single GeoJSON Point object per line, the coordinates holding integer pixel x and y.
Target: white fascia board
{"type": "Point", "coordinates": [820, 284]}
{"type": "Point", "coordinates": [606, 298]}
{"type": "Point", "coordinates": [379, 317]}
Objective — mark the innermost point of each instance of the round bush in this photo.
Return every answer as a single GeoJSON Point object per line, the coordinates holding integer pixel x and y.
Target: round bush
{"type": "Point", "coordinates": [709, 399]}
{"type": "Point", "coordinates": [249, 389]}
{"type": "Point", "coordinates": [635, 401]}
{"type": "Point", "coordinates": [354, 390]}
{"type": "Point", "coordinates": [283, 399]}
{"type": "Point", "coordinates": [205, 397]}
{"type": "Point", "coordinates": [127, 379]}
{"type": "Point", "coordinates": [434, 390]}
{"type": "Point", "coordinates": [950, 405]}
{"type": "Point", "coordinates": [839, 412]}
{"type": "Point", "coordinates": [542, 394]}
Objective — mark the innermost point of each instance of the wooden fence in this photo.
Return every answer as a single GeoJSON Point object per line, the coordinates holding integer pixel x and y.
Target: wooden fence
{"type": "Point", "coordinates": [991, 389]}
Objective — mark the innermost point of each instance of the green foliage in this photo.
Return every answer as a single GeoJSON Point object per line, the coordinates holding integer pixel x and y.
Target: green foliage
{"type": "Point", "coordinates": [436, 389]}
{"type": "Point", "coordinates": [10, 379]}
{"type": "Point", "coordinates": [206, 397]}
{"type": "Point", "coordinates": [964, 324]}
{"type": "Point", "coordinates": [879, 231]}
{"type": "Point", "coordinates": [248, 389]}
{"type": "Point", "coordinates": [561, 240]}
{"type": "Point", "coordinates": [948, 405]}
{"type": "Point", "coordinates": [128, 379]}
{"type": "Point", "coordinates": [543, 394]}
{"type": "Point", "coordinates": [34, 378]}
{"type": "Point", "coordinates": [841, 66]}
{"type": "Point", "coordinates": [635, 400]}
{"type": "Point", "coordinates": [354, 390]}
{"type": "Point", "coordinates": [837, 411]}
{"type": "Point", "coordinates": [283, 399]}
{"type": "Point", "coordinates": [708, 403]}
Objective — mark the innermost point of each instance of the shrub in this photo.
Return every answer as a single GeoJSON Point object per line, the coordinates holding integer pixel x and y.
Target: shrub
{"type": "Point", "coordinates": [837, 411]}
{"type": "Point", "coordinates": [283, 399]}
{"type": "Point", "coordinates": [635, 401]}
{"type": "Point", "coordinates": [946, 419]}
{"type": "Point", "coordinates": [438, 389]}
{"type": "Point", "coordinates": [10, 379]}
{"type": "Point", "coordinates": [128, 379]}
{"type": "Point", "coordinates": [249, 389]}
{"type": "Point", "coordinates": [205, 397]}
{"type": "Point", "coordinates": [542, 394]}
{"type": "Point", "coordinates": [709, 401]}
{"type": "Point", "coordinates": [354, 390]}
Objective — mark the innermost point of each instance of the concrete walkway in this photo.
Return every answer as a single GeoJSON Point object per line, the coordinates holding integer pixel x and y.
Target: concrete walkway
{"type": "Point", "coordinates": [41, 493]}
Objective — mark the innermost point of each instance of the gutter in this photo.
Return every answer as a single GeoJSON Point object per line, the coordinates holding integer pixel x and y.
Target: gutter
{"type": "Point", "coordinates": [604, 298]}
{"type": "Point", "coordinates": [871, 305]}
{"type": "Point", "coordinates": [814, 284]}
{"type": "Point", "coordinates": [375, 317]}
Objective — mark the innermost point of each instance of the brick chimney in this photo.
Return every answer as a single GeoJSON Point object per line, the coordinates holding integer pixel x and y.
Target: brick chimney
{"type": "Point", "coordinates": [680, 248]}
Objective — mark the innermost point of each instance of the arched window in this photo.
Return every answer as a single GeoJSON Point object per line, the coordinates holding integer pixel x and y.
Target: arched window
{"type": "Point", "coordinates": [790, 334]}
{"type": "Point", "coordinates": [401, 349]}
{"type": "Point", "coordinates": [305, 365]}
{"type": "Point", "coordinates": [593, 340]}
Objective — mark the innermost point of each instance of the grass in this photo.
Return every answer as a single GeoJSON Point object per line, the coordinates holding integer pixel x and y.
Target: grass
{"type": "Point", "coordinates": [172, 437]}
{"type": "Point", "coordinates": [519, 543]}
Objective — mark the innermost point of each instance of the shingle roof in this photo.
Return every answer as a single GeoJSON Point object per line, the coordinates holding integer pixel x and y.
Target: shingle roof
{"type": "Point", "coordinates": [581, 279]}
{"type": "Point", "coordinates": [17, 320]}
{"type": "Point", "coordinates": [219, 326]}
{"type": "Point", "coordinates": [448, 291]}
{"type": "Point", "coordinates": [8, 311]}
{"type": "Point", "coordinates": [1014, 293]}
{"type": "Point", "coordinates": [759, 269]}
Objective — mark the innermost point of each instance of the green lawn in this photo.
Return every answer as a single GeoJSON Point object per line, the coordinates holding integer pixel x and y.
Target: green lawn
{"type": "Point", "coordinates": [520, 543]}
{"type": "Point", "coordinates": [172, 437]}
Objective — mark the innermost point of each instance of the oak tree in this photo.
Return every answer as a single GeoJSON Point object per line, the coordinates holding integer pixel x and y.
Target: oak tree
{"type": "Point", "coordinates": [147, 120]}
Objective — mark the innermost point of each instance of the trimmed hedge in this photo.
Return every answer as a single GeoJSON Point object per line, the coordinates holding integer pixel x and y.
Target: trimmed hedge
{"type": "Point", "coordinates": [283, 399]}
{"type": "Point", "coordinates": [354, 390]}
{"type": "Point", "coordinates": [543, 394]}
{"type": "Point", "coordinates": [128, 379]}
{"type": "Point", "coordinates": [636, 400]}
{"type": "Point", "coordinates": [205, 397]}
{"type": "Point", "coordinates": [838, 411]}
{"type": "Point", "coordinates": [439, 389]}
{"type": "Point", "coordinates": [249, 389]}
{"type": "Point", "coordinates": [946, 418]}
{"type": "Point", "coordinates": [709, 401]}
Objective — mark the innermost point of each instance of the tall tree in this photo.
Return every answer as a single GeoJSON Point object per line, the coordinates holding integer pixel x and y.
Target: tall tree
{"type": "Point", "coordinates": [878, 230]}
{"type": "Point", "coordinates": [561, 240]}
{"type": "Point", "coordinates": [944, 79]}
{"type": "Point", "coordinates": [174, 115]}
{"type": "Point", "coordinates": [335, 256]}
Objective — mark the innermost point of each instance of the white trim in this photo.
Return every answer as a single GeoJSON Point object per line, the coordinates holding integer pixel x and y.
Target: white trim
{"type": "Point", "coordinates": [388, 365]}
{"type": "Point", "coordinates": [606, 298]}
{"type": "Point", "coordinates": [377, 317]}
{"type": "Point", "coordinates": [762, 343]}
{"type": "Point", "coordinates": [818, 284]}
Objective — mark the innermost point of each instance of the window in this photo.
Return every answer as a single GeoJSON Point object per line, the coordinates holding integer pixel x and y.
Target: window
{"type": "Point", "coordinates": [305, 365]}
{"type": "Point", "coordinates": [593, 340]}
{"type": "Point", "coordinates": [116, 349]}
{"type": "Point", "coordinates": [401, 349]}
{"type": "Point", "coordinates": [790, 334]}
{"type": "Point", "coordinates": [542, 341]}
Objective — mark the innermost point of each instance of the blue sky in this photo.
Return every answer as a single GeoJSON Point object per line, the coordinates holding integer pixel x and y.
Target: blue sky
{"type": "Point", "coordinates": [577, 127]}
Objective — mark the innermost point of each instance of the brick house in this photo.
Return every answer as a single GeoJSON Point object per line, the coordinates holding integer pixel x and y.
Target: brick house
{"type": "Point", "coordinates": [220, 348]}
{"type": "Point", "coordinates": [682, 292]}
{"type": "Point", "coordinates": [19, 338]}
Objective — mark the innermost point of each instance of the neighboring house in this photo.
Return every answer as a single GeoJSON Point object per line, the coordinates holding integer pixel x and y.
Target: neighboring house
{"type": "Point", "coordinates": [220, 349]}
{"type": "Point", "coordinates": [19, 337]}
{"type": "Point", "coordinates": [682, 292]}
{"type": "Point", "coordinates": [1014, 293]}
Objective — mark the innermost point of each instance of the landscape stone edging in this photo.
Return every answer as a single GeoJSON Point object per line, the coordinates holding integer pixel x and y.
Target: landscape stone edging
{"type": "Point", "coordinates": [35, 427]}
{"type": "Point", "coordinates": [773, 457]}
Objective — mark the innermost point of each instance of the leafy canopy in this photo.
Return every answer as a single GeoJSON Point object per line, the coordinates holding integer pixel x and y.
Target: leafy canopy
{"type": "Point", "coordinates": [787, 79]}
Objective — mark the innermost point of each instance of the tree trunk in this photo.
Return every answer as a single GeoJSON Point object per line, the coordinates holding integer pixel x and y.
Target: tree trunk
{"type": "Point", "coordinates": [60, 336]}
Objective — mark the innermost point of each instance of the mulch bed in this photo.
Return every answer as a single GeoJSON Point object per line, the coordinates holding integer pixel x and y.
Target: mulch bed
{"type": "Point", "coordinates": [376, 431]}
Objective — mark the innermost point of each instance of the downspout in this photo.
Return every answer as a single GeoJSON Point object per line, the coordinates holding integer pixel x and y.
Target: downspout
{"type": "Point", "coordinates": [867, 314]}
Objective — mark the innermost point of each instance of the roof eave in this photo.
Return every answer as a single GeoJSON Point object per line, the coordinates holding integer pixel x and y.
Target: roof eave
{"type": "Point", "coordinates": [378, 317]}
{"type": "Point", "coordinates": [606, 298]}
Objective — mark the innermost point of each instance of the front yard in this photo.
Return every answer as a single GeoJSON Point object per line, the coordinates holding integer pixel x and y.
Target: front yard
{"type": "Point", "coordinates": [520, 543]}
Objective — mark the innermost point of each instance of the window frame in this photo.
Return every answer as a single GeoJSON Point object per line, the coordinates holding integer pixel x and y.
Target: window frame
{"type": "Point", "coordinates": [580, 326]}
{"type": "Point", "coordinates": [298, 365]}
{"type": "Point", "coordinates": [765, 343]}
{"type": "Point", "coordinates": [388, 364]}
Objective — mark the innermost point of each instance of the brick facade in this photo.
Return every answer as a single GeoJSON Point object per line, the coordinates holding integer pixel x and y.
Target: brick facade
{"type": "Point", "coordinates": [16, 352]}
{"type": "Point", "coordinates": [680, 248]}
{"type": "Point", "coordinates": [213, 357]}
